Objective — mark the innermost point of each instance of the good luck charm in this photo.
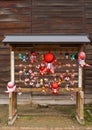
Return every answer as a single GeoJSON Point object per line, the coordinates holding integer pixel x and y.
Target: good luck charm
{"type": "Point", "coordinates": [49, 61]}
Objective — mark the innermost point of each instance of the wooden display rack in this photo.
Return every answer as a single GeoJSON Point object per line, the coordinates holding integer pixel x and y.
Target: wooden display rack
{"type": "Point", "coordinates": [13, 96]}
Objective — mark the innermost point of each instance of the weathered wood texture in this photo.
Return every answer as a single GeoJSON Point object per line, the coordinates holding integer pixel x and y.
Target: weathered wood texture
{"type": "Point", "coordinates": [64, 16]}
{"type": "Point", "coordinates": [88, 17]}
{"type": "Point", "coordinates": [45, 17]}
{"type": "Point", "coordinates": [4, 66]}
{"type": "Point", "coordinates": [88, 72]}
{"type": "Point", "coordinates": [15, 16]}
{"type": "Point", "coordinates": [48, 16]}
{"type": "Point", "coordinates": [38, 16]}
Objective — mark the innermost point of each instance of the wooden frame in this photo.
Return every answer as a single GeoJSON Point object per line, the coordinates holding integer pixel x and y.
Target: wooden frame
{"type": "Point", "coordinates": [13, 96]}
{"type": "Point", "coordinates": [80, 100]}
{"type": "Point", "coordinates": [80, 96]}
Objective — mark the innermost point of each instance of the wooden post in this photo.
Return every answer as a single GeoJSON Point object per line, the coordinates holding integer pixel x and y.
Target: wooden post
{"type": "Point", "coordinates": [10, 106]}
{"type": "Point", "coordinates": [12, 95]}
{"type": "Point", "coordinates": [80, 100]}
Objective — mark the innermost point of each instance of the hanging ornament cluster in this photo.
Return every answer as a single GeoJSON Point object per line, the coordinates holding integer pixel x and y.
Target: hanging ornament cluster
{"type": "Point", "coordinates": [48, 70]}
{"type": "Point", "coordinates": [73, 56]}
{"type": "Point", "coordinates": [68, 78]}
{"type": "Point", "coordinates": [28, 56]}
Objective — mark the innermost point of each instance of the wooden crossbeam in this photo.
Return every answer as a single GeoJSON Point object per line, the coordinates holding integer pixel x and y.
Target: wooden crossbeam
{"type": "Point", "coordinates": [48, 90]}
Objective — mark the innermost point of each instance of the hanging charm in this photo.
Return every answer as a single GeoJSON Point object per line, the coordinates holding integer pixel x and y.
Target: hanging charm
{"type": "Point", "coordinates": [33, 57]}
{"type": "Point", "coordinates": [67, 55]}
{"type": "Point", "coordinates": [27, 56]}
{"type": "Point", "coordinates": [20, 56]}
{"type": "Point", "coordinates": [27, 80]}
{"type": "Point", "coordinates": [73, 57]}
{"type": "Point", "coordinates": [49, 61]}
{"type": "Point", "coordinates": [43, 90]}
{"type": "Point", "coordinates": [26, 73]}
{"type": "Point", "coordinates": [41, 82]}
{"type": "Point", "coordinates": [24, 58]}
{"type": "Point", "coordinates": [67, 76]}
{"type": "Point", "coordinates": [20, 66]}
{"type": "Point", "coordinates": [42, 69]}
{"type": "Point", "coordinates": [11, 87]}
{"type": "Point", "coordinates": [67, 87]}
{"type": "Point", "coordinates": [37, 85]}
{"type": "Point", "coordinates": [20, 75]}
{"type": "Point", "coordinates": [54, 88]}
{"type": "Point", "coordinates": [81, 60]}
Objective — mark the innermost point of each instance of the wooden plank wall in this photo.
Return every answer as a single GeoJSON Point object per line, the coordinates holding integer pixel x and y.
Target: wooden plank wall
{"type": "Point", "coordinates": [4, 66]}
{"type": "Point", "coordinates": [15, 18]}
{"type": "Point", "coordinates": [88, 49]}
{"type": "Point", "coordinates": [88, 17]}
{"type": "Point", "coordinates": [55, 16]}
{"type": "Point", "coordinates": [88, 76]}
{"type": "Point", "coordinates": [45, 17]}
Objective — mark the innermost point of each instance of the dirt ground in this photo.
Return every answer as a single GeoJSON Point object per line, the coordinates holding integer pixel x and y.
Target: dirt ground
{"type": "Point", "coordinates": [44, 117]}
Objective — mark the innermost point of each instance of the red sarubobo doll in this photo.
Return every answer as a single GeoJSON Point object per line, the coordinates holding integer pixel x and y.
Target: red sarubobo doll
{"type": "Point", "coordinates": [33, 57]}
{"type": "Point", "coordinates": [11, 87]}
{"type": "Point", "coordinates": [54, 88]}
{"type": "Point", "coordinates": [81, 60]}
{"type": "Point", "coordinates": [49, 61]}
{"type": "Point", "coordinates": [42, 70]}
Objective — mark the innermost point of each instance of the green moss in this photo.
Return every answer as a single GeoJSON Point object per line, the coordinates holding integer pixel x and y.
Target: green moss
{"type": "Point", "coordinates": [87, 116]}
{"type": "Point", "coordinates": [26, 117]}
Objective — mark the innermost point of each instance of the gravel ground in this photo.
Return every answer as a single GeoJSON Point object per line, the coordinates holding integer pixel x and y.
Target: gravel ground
{"type": "Point", "coordinates": [37, 117]}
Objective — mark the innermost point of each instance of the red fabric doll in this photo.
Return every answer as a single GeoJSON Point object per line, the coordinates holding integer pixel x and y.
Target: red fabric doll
{"type": "Point", "coordinates": [54, 88]}
{"type": "Point", "coordinates": [49, 61]}
{"type": "Point", "coordinates": [10, 87]}
{"type": "Point", "coordinates": [81, 59]}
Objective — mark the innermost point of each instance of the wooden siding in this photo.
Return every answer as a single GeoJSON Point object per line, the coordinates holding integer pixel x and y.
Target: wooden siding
{"type": "Point", "coordinates": [88, 71]}
{"type": "Point", "coordinates": [4, 66]}
{"type": "Point", "coordinates": [48, 16]}
{"type": "Point", "coordinates": [55, 16]}
{"type": "Point", "coordinates": [88, 76]}
{"type": "Point", "coordinates": [15, 17]}
{"type": "Point", "coordinates": [88, 17]}
{"type": "Point", "coordinates": [45, 17]}
{"type": "Point", "coordinates": [42, 17]}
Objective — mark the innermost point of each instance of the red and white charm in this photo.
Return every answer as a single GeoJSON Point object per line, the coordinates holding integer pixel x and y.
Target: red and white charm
{"type": "Point", "coordinates": [49, 61]}
{"type": "Point", "coordinates": [54, 88]}
{"type": "Point", "coordinates": [33, 57]}
{"type": "Point", "coordinates": [11, 87]}
{"type": "Point", "coordinates": [81, 60]}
